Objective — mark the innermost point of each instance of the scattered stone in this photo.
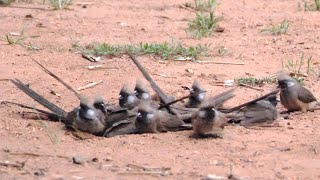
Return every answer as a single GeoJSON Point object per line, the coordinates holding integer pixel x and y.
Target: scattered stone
{"type": "Point", "coordinates": [29, 16]}
{"type": "Point", "coordinates": [95, 159]}
{"type": "Point", "coordinates": [214, 177]}
{"type": "Point", "coordinates": [78, 160]}
{"type": "Point", "coordinates": [40, 172]}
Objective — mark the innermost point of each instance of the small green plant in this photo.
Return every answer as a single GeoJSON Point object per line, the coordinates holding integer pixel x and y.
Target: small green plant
{"type": "Point", "coordinates": [18, 38]}
{"type": "Point", "coordinates": [307, 7]}
{"type": "Point", "coordinates": [202, 26]}
{"type": "Point", "coordinates": [296, 66]}
{"type": "Point", "coordinates": [60, 4]}
{"type": "Point", "coordinates": [317, 71]}
{"type": "Point", "coordinates": [221, 50]}
{"type": "Point", "coordinates": [5, 2]}
{"type": "Point", "coordinates": [164, 50]}
{"type": "Point", "coordinates": [256, 81]}
{"type": "Point", "coordinates": [282, 28]}
{"type": "Point", "coordinates": [205, 6]}
{"type": "Point", "coordinates": [12, 40]}
{"type": "Point", "coordinates": [317, 3]}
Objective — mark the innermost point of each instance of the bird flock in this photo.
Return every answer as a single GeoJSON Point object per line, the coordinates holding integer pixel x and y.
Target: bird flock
{"type": "Point", "coordinates": [140, 112]}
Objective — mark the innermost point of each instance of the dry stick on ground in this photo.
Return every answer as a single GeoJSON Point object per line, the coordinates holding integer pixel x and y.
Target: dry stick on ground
{"type": "Point", "coordinates": [37, 155]}
{"type": "Point", "coordinates": [217, 62]}
{"type": "Point", "coordinates": [261, 127]}
{"type": "Point", "coordinates": [100, 66]}
{"type": "Point", "coordinates": [90, 85]}
{"type": "Point", "coordinates": [154, 86]}
{"type": "Point", "coordinates": [12, 164]}
{"type": "Point", "coordinates": [141, 170]}
{"type": "Point", "coordinates": [250, 102]}
{"type": "Point", "coordinates": [20, 7]}
{"type": "Point", "coordinates": [57, 78]}
{"type": "Point", "coordinates": [251, 87]}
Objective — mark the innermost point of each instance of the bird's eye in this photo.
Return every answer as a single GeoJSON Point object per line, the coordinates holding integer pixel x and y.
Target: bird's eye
{"type": "Point", "coordinates": [139, 114]}
{"type": "Point", "coordinates": [120, 96]}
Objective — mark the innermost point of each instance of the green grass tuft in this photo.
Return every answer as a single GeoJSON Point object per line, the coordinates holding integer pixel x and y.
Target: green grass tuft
{"type": "Point", "coordinates": [60, 4]}
{"type": "Point", "coordinates": [6, 2]}
{"type": "Point", "coordinates": [297, 66]}
{"type": "Point", "coordinates": [202, 26]}
{"type": "Point", "coordinates": [164, 50]}
{"type": "Point", "coordinates": [204, 6]}
{"type": "Point", "coordinates": [18, 39]}
{"type": "Point", "coordinates": [317, 3]}
{"type": "Point", "coordinates": [282, 28]}
{"type": "Point", "coordinates": [256, 81]}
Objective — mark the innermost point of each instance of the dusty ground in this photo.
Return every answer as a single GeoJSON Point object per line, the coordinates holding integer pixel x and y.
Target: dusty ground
{"type": "Point", "coordinates": [287, 152]}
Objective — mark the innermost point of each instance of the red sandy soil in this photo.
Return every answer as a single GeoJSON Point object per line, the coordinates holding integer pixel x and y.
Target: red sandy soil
{"type": "Point", "coordinates": [290, 151]}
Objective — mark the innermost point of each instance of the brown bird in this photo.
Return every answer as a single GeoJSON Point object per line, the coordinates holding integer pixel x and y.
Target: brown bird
{"type": "Point", "coordinates": [208, 121]}
{"type": "Point", "coordinates": [150, 120]}
{"type": "Point", "coordinates": [127, 98]}
{"type": "Point", "coordinates": [85, 118]}
{"type": "Point", "coordinates": [195, 100]}
{"type": "Point", "coordinates": [295, 97]}
{"type": "Point", "coordinates": [141, 91]}
{"type": "Point", "coordinates": [258, 112]}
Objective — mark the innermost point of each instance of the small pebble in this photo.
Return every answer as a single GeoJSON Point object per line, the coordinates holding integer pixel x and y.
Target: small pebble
{"type": "Point", "coordinates": [78, 160]}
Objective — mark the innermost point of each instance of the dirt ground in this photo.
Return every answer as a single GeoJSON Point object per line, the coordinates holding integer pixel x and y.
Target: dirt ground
{"type": "Point", "coordinates": [290, 151]}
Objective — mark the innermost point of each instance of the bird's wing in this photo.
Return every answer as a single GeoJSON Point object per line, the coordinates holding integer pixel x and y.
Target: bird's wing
{"type": "Point", "coordinates": [169, 122]}
{"type": "Point", "coordinates": [305, 95]}
{"type": "Point", "coordinates": [259, 113]}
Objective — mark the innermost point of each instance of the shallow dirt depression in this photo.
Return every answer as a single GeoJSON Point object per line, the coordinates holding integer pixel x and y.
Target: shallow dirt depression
{"type": "Point", "coordinates": [31, 149]}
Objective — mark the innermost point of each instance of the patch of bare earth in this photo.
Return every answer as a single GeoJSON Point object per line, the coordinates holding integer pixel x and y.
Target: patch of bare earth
{"type": "Point", "coordinates": [290, 151]}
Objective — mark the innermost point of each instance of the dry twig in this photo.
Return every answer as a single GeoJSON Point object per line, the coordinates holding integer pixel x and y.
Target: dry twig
{"type": "Point", "coordinates": [90, 85]}
{"type": "Point", "coordinates": [217, 62]}
{"type": "Point", "coordinates": [251, 87]}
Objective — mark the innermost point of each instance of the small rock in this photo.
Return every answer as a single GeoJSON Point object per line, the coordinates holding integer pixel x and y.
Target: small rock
{"type": "Point", "coordinates": [286, 117]}
{"type": "Point", "coordinates": [39, 172]}
{"type": "Point", "coordinates": [219, 29]}
{"type": "Point", "coordinates": [78, 160]}
{"type": "Point", "coordinates": [214, 177]}
{"type": "Point", "coordinates": [285, 149]}
{"type": "Point", "coordinates": [29, 16]}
